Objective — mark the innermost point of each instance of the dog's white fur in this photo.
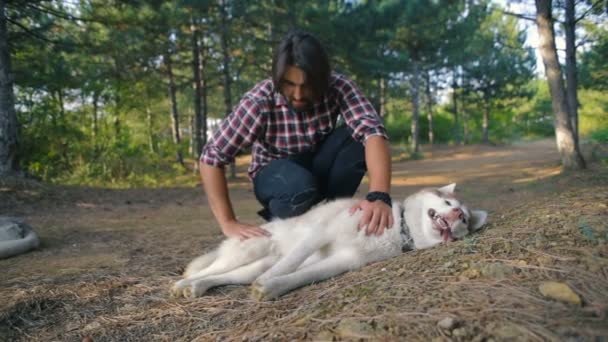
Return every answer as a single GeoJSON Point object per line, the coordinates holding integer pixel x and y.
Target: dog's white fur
{"type": "Point", "coordinates": [325, 242]}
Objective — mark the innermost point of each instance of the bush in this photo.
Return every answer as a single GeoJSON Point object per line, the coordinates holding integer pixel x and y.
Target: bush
{"type": "Point", "coordinates": [600, 135]}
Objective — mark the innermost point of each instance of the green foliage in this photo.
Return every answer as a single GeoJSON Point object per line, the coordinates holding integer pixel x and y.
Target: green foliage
{"type": "Point", "coordinates": [110, 66]}
{"type": "Point", "coordinates": [533, 117]}
{"type": "Point", "coordinates": [594, 64]}
{"type": "Point", "coordinates": [398, 127]}
{"type": "Point", "coordinates": [600, 135]}
{"type": "Point", "coordinates": [593, 114]}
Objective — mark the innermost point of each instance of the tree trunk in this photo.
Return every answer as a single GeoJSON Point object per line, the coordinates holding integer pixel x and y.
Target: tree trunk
{"type": "Point", "coordinates": [61, 106]}
{"type": "Point", "coordinates": [465, 126]}
{"type": "Point", "coordinates": [566, 142]}
{"type": "Point", "coordinates": [382, 95]}
{"type": "Point", "coordinates": [95, 121]}
{"type": "Point", "coordinates": [416, 109]}
{"type": "Point", "coordinates": [455, 107]}
{"type": "Point", "coordinates": [226, 69]}
{"type": "Point", "coordinates": [197, 141]}
{"type": "Point", "coordinates": [203, 97]}
{"type": "Point", "coordinates": [150, 127]}
{"type": "Point", "coordinates": [429, 107]}
{"type": "Point", "coordinates": [486, 118]}
{"type": "Point", "coordinates": [174, 112]}
{"type": "Point", "coordinates": [571, 73]}
{"type": "Point", "coordinates": [9, 137]}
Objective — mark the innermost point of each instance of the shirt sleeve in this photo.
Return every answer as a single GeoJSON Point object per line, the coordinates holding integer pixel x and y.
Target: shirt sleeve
{"type": "Point", "coordinates": [358, 112]}
{"type": "Point", "coordinates": [236, 132]}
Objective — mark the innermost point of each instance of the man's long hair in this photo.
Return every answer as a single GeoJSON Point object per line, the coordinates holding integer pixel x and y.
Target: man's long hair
{"type": "Point", "coordinates": [303, 50]}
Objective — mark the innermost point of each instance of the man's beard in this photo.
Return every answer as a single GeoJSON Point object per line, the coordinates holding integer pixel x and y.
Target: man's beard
{"type": "Point", "coordinates": [302, 105]}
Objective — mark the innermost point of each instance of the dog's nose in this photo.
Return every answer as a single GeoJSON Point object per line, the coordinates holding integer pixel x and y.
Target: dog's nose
{"type": "Point", "coordinates": [459, 212]}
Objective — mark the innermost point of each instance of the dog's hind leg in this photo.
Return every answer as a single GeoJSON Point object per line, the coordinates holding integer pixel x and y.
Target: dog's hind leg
{"type": "Point", "coordinates": [231, 255]}
{"type": "Point", "coordinates": [304, 249]}
{"type": "Point", "coordinates": [200, 263]}
{"type": "Point", "coordinates": [333, 265]}
{"type": "Point", "coordinates": [241, 276]}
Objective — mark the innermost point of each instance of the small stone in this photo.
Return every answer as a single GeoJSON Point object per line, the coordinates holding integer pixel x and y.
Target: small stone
{"type": "Point", "coordinates": [545, 260]}
{"type": "Point", "coordinates": [470, 273]}
{"type": "Point", "coordinates": [324, 336]}
{"type": "Point", "coordinates": [459, 332]}
{"type": "Point", "coordinates": [72, 326]}
{"type": "Point", "coordinates": [92, 326]}
{"type": "Point", "coordinates": [478, 338]}
{"type": "Point", "coordinates": [447, 323]}
{"type": "Point", "coordinates": [559, 291]}
{"type": "Point", "coordinates": [497, 270]}
{"type": "Point", "coordinates": [508, 332]}
{"type": "Point", "coordinates": [354, 328]}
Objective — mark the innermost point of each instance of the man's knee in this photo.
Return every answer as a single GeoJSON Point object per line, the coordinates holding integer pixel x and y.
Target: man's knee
{"type": "Point", "coordinates": [285, 189]}
{"type": "Point", "coordinates": [294, 204]}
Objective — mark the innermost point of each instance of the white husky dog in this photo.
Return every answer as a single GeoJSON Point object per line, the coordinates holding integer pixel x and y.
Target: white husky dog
{"type": "Point", "coordinates": [325, 242]}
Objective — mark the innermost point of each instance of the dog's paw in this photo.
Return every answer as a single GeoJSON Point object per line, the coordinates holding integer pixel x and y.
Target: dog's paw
{"type": "Point", "coordinates": [258, 291]}
{"type": "Point", "coordinates": [178, 289]}
{"type": "Point", "coordinates": [198, 288]}
{"type": "Point", "coordinates": [186, 289]}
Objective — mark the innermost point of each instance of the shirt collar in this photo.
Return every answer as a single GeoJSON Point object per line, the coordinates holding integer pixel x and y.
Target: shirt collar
{"type": "Point", "coordinates": [279, 99]}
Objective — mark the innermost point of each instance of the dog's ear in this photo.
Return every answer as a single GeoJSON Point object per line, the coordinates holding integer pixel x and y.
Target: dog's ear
{"type": "Point", "coordinates": [478, 219]}
{"type": "Point", "coordinates": [448, 189]}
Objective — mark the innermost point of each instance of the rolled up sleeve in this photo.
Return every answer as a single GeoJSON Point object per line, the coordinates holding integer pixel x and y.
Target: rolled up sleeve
{"type": "Point", "coordinates": [359, 114]}
{"type": "Point", "coordinates": [236, 132]}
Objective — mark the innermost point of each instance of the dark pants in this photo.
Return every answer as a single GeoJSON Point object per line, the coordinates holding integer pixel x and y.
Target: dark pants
{"type": "Point", "coordinates": [289, 187]}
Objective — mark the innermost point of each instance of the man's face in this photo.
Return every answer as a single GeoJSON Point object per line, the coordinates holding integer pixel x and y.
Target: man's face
{"type": "Point", "coordinates": [296, 90]}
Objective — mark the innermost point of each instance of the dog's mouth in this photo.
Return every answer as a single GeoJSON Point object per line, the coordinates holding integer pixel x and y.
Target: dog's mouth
{"type": "Point", "coordinates": [441, 225]}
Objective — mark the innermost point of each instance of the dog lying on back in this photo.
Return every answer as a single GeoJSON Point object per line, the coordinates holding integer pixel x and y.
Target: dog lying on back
{"type": "Point", "coordinates": [325, 242]}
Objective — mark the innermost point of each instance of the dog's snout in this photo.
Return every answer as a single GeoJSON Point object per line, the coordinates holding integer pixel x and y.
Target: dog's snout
{"type": "Point", "coordinates": [432, 213]}
{"type": "Point", "coordinates": [459, 212]}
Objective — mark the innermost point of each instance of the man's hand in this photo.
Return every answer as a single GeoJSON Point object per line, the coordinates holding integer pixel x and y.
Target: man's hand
{"type": "Point", "coordinates": [243, 231]}
{"type": "Point", "coordinates": [377, 215]}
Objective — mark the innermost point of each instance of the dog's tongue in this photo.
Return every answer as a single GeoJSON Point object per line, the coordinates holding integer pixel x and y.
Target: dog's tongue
{"type": "Point", "coordinates": [446, 234]}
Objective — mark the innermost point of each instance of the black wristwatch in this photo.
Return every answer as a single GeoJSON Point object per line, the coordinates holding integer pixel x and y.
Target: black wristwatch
{"type": "Point", "coordinates": [379, 196]}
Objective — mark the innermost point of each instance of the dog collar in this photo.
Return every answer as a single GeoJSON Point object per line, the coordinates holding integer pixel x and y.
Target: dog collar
{"type": "Point", "coordinates": [407, 241]}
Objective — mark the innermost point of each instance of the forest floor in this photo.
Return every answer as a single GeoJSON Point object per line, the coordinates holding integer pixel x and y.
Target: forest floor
{"type": "Point", "coordinates": [538, 271]}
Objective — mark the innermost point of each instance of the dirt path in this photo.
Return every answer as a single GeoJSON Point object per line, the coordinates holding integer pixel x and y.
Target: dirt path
{"type": "Point", "coordinates": [109, 256]}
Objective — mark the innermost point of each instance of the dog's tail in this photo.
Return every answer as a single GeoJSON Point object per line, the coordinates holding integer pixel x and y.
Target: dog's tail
{"type": "Point", "coordinates": [199, 263]}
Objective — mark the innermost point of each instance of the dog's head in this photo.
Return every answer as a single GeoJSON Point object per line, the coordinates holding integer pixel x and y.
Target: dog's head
{"type": "Point", "coordinates": [436, 215]}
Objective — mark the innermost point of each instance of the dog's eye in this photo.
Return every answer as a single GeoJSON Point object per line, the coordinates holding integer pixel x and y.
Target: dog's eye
{"type": "Point", "coordinates": [464, 220]}
{"type": "Point", "coordinates": [448, 203]}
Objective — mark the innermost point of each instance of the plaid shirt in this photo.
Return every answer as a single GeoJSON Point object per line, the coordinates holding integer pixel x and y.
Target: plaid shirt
{"type": "Point", "coordinates": [264, 120]}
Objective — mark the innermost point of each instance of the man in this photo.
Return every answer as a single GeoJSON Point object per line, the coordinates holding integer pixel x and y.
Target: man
{"type": "Point", "coordinates": [299, 156]}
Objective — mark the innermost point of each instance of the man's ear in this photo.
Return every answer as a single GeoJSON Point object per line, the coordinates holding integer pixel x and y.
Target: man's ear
{"type": "Point", "coordinates": [478, 219]}
{"type": "Point", "coordinates": [448, 189]}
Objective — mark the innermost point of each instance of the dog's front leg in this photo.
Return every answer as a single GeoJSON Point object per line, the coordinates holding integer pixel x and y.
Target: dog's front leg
{"type": "Point", "coordinates": [333, 265]}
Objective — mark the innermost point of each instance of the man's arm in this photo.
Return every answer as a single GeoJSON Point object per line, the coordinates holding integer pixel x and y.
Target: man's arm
{"type": "Point", "coordinates": [216, 188]}
{"type": "Point", "coordinates": [378, 160]}
{"type": "Point", "coordinates": [377, 215]}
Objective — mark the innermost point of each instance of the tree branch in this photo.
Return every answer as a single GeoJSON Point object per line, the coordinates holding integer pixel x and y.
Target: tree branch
{"type": "Point", "coordinates": [518, 15]}
{"type": "Point", "coordinates": [63, 15]}
{"type": "Point", "coordinates": [594, 5]}
{"type": "Point", "coordinates": [41, 37]}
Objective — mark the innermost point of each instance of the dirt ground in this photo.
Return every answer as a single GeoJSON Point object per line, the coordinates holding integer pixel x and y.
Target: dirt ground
{"type": "Point", "coordinates": [538, 271]}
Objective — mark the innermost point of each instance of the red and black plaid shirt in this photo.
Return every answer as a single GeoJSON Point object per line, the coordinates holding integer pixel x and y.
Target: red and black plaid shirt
{"type": "Point", "coordinates": [264, 120]}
